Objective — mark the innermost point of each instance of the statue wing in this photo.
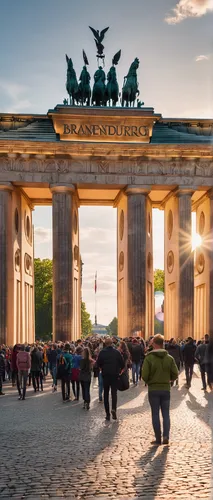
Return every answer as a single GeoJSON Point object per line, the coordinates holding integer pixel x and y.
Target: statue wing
{"type": "Point", "coordinates": [102, 33]}
{"type": "Point", "coordinates": [116, 58]}
{"type": "Point", "coordinates": [95, 33]}
{"type": "Point", "coordinates": [85, 58]}
{"type": "Point", "coordinates": [67, 58]}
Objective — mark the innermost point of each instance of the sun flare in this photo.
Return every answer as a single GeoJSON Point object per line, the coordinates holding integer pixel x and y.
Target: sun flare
{"type": "Point", "coordinates": [196, 241]}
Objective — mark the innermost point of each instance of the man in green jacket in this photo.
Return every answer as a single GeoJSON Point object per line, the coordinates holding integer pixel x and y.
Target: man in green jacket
{"type": "Point", "coordinates": [159, 370]}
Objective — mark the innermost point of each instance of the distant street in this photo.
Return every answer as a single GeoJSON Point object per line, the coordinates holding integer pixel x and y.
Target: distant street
{"type": "Point", "coordinates": [54, 450]}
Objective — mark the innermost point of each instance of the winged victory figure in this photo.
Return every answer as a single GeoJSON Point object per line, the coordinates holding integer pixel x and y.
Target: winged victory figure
{"type": "Point", "coordinates": [99, 36]}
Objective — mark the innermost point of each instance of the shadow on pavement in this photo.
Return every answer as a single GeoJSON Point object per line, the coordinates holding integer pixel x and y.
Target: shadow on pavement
{"type": "Point", "coordinates": [152, 466]}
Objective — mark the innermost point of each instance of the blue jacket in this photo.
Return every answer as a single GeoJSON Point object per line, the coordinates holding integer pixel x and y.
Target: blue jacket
{"type": "Point", "coordinates": [76, 358]}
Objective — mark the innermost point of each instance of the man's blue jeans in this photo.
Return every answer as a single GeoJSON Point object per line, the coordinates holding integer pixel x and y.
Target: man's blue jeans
{"type": "Point", "coordinates": [160, 400]}
{"type": "Point", "coordinates": [136, 372]}
{"type": "Point", "coordinates": [100, 386]}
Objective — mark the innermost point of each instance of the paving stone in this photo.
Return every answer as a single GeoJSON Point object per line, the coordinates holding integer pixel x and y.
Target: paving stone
{"type": "Point", "coordinates": [55, 451]}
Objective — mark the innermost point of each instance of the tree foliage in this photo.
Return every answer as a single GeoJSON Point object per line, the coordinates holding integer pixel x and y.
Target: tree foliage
{"type": "Point", "coordinates": [159, 280]}
{"type": "Point", "coordinates": [43, 298]}
{"type": "Point", "coordinates": [86, 323]}
{"type": "Point", "coordinates": [112, 328]}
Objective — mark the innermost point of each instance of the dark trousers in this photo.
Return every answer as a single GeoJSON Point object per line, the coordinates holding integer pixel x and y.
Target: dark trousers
{"type": "Point", "coordinates": [23, 376]}
{"type": "Point", "coordinates": [76, 388]}
{"type": "Point", "coordinates": [110, 382]}
{"type": "Point", "coordinates": [86, 391]}
{"type": "Point", "coordinates": [15, 380]}
{"type": "Point", "coordinates": [36, 378]}
{"type": "Point", "coordinates": [65, 387]}
{"type": "Point", "coordinates": [160, 400]}
{"type": "Point", "coordinates": [203, 375]}
{"type": "Point", "coordinates": [189, 373]}
{"type": "Point", "coordinates": [1, 382]}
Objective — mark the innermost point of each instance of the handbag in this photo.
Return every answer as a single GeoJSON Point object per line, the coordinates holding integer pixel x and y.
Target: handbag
{"type": "Point", "coordinates": [123, 382]}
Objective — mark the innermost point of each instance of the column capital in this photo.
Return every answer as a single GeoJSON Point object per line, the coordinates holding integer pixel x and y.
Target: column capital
{"type": "Point", "coordinates": [185, 191]}
{"type": "Point", "coordinates": [132, 189]}
{"type": "Point", "coordinates": [62, 188]}
{"type": "Point", "coordinates": [6, 186]}
{"type": "Point", "coordinates": [210, 194]}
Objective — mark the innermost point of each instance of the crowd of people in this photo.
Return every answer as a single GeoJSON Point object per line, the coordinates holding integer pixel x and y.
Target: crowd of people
{"type": "Point", "coordinates": [158, 362]}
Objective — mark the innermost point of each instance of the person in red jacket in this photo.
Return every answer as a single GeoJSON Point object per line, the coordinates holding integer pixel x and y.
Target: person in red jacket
{"type": "Point", "coordinates": [23, 362]}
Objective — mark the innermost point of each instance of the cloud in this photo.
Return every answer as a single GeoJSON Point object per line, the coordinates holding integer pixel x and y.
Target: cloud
{"type": "Point", "coordinates": [189, 8]}
{"type": "Point", "coordinates": [201, 58]}
{"type": "Point", "coordinates": [16, 94]}
{"type": "Point", "coordinates": [42, 235]}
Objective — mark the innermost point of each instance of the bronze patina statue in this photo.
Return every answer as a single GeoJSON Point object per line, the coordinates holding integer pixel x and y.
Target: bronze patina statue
{"type": "Point", "coordinates": [130, 86]}
{"type": "Point", "coordinates": [72, 84]}
{"type": "Point", "coordinates": [102, 94]}
{"type": "Point", "coordinates": [84, 85]}
{"type": "Point", "coordinates": [99, 88]}
{"type": "Point", "coordinates": [99, 36]}
{"type": "Point", "coordinates": [112, 90]}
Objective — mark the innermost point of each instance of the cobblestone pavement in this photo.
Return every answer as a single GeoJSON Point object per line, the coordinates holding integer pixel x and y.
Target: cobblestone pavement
{"type": "Point", "coordinates": [54, 450]}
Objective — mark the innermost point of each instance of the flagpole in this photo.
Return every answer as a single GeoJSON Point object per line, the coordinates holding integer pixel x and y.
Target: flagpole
{"type": "Point", "coordinates": [96, 322]}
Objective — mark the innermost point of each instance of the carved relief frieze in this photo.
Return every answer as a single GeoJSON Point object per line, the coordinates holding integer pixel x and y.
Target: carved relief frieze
{"type": "Point", "coordinates": [134, 170]}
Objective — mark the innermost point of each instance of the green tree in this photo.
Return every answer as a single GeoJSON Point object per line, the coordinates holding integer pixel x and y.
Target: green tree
{"type": "Point", "coordinates": [43, 298]}
{"type": "Point", "coordinates": [159, 280]}
{"type": "Point", "coordinates": [112, 328]}
{"type": "Point", "coordinates": [86, 323]}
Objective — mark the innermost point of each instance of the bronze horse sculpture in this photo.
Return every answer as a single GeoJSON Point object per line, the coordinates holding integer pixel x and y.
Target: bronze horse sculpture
{"type": "Point", "coordinates": [130, 87]}
{"type": "Point", "coordinates": [112, 90]}
{"type": "Point", "coordinates": [72, 83]}
{"type": "Point", "coordinates": [99, 88]}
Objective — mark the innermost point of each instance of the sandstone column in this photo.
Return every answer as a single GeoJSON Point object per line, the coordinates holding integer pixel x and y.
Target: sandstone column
{"type": "Point", "coordinates": [209, 245]}
{"type": "Point", "coordinates": [5, 198]}
{"type": "Point", "coordinates": [137, 266]}
{"type": "Point", "coordinates": [186, 265]}
{"type": "Point", "coordinates": [62, 262]}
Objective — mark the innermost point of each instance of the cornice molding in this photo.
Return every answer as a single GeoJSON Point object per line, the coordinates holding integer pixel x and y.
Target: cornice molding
{"type": "Point", "coordinates": [93, 149]}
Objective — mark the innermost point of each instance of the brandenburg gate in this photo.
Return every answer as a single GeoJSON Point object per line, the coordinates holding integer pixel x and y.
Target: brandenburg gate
{"type": "Point", "coordinates": [126, 157]}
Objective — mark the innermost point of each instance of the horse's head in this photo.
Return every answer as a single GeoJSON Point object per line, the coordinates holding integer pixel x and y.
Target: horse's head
{"type": "Point", "coordinates": [69, 63]}
{"type": "Point", "coordinates": [136, 63]}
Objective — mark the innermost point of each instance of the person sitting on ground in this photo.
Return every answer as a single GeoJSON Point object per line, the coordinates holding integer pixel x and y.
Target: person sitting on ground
{"type": "Point", "coordinates": [159, 370]}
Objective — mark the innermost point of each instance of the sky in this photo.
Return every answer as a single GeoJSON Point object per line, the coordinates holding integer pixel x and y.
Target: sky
{"type": "Point", "coordinates": [174, 42]}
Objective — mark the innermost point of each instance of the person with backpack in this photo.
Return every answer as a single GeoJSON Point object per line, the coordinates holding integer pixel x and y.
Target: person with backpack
{"type": "Point", "coordinates": [64, 372]}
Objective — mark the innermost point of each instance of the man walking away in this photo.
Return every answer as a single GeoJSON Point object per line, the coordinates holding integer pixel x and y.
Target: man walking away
{"type": "Point", "coordinates": [159, 370]}
{"type": "Point", "coordinates": [2, 372]}
{"type": "Point", "coordinates": [200, 355]}
{"type": "Point", "coordinates": [174, 350]}
{"type": "Point", "coordinates": [66, 378]}
{"type": "Point", "coordinates": [110, 362]}
{"type": "Point", "coordinates": [23, 362]}
{"type": "Point", "coordinates": [136, 355]}
{"type": "Point", "coordinates": [189, 360]}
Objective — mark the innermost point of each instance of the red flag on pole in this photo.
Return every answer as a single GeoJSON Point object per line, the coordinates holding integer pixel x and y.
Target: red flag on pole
{"type": "Point", "coordinates": [96, 282]}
